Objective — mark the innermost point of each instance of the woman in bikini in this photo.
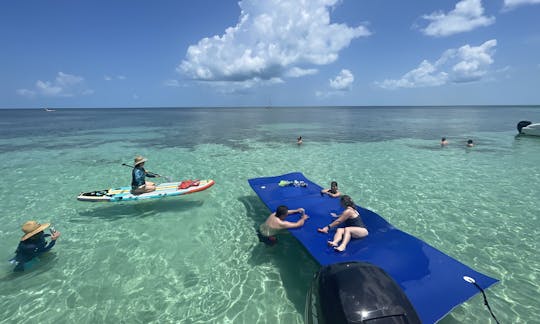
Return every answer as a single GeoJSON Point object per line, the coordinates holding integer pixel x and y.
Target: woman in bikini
{"type": "Point", "coordinates": [354, 226]}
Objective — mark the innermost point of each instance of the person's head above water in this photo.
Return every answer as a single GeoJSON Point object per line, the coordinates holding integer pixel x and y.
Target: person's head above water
{"type": "Point", "coordinates": [282, 211]}
{"type": "Point", "coordinates": [333, 187]}
{"type": "Point", "coordinates": [444, 141]}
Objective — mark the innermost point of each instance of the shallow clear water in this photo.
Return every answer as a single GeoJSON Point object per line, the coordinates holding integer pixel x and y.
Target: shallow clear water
{"type": "Point", "coordinates": [196, 259]}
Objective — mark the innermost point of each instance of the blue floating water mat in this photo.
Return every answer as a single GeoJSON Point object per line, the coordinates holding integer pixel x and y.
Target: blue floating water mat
{"type": "Point", "coordinates": [432, 280]}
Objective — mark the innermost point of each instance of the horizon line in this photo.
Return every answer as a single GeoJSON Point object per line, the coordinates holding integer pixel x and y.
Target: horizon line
{"type": "Point", "coordinates": [278, 107]}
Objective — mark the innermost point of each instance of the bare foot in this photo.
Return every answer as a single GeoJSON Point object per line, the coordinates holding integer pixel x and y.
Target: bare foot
{"type": "Point", "coordinates": [340, 248]}
{"type": "Point", "coordinates": [330, 243]}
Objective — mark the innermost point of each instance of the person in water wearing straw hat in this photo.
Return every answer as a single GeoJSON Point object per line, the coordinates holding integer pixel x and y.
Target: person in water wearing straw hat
{"type": "Point", "coordinates": [33, 243]}
{"type": "Point", "coordinates": [138, 183]}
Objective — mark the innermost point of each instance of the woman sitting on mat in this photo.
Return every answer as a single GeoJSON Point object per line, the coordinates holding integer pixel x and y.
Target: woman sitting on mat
{"type": "Point", "coordinates": [333, 191]}
{"type": "Point", "coordinates": [354, 226]}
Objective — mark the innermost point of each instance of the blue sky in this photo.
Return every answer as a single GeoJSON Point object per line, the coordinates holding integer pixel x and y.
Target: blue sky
{"type": "Point", "coordinates": [185, 53]}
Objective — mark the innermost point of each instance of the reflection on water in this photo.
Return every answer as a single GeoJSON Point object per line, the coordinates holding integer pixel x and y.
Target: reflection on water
{"type": "Point", "coordinates": [147, 208]}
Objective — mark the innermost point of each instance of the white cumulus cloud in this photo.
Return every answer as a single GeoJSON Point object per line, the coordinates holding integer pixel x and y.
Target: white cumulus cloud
{"type": "Point", "coordinates": [465, 64]}
{"type": "Point", "coordinates": [64, 85]}
{"type": "Point", "coordinates": [511, 4]}
{"type": "Point", "coordinates": [272, 39]}
{"type": "Point", "coordinates": [474, 61]}
{"type": "Point", "coordinates": [466, 16]}
{"type": "Point", "coordinates": [425, 75]}
{"type": "Point", "coordinates": [342, 81]}
{"type": "Point", "coordinates": [296, 72]}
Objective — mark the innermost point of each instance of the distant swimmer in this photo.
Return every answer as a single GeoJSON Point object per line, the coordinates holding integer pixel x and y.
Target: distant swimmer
{"type": "Point", "coordinates": [470, 143]}
{"type": "Point", "coordinates": [333, 191]}
{"type": "Point", "coordinates": [299, 140]}
{"type": "Point", "coordinates": [444, 142]}
{"type": "Point", "coordinates": [276, 222]}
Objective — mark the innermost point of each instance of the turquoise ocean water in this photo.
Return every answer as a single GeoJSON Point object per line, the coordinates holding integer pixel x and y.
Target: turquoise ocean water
{"type": "Point", "coordinates": [196, 258]}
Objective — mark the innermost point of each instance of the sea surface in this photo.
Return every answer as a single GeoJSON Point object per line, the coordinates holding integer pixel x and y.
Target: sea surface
{"type": "Point", "coordinates": [196, 258]}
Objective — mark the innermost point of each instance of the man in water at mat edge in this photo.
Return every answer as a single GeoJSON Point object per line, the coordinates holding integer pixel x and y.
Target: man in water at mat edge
{"type": "Point", "coordinates": [276, 222]}
{"type": "Point", "coordinates": [33, 243]}
{"type": "Point", "coordinates": [138, 174]}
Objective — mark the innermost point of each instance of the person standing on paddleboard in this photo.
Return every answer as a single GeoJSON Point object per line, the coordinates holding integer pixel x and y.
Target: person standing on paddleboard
{"type": "Point", "coordinates": [138, 183]}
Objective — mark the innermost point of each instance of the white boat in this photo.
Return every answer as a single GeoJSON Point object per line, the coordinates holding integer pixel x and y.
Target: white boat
{"type": "Point", "coordinates": [528, 128]}
{"type": "Point", "coordinates": [49, 109]}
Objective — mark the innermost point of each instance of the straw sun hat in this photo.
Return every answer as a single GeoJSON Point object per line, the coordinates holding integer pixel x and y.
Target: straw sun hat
{"type": "Point", "coordinates": [31, 228]}
{"type": "Point", "coordinates": [139, 159]}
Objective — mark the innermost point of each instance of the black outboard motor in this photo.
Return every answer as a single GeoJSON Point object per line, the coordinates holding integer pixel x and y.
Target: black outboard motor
{"type": "Point", "coordinates": [521, 124]}
{"type": "Point", "coordinates": [357, 292]}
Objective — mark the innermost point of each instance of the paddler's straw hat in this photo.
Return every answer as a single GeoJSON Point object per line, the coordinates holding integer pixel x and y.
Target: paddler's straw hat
{"type": "Point", "coordinates": [31, 228]}
{"type": "Point", "coordinates": [139, 159]}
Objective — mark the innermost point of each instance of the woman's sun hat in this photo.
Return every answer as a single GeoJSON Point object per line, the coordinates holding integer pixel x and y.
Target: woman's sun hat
{"type": "Point", "coordinates": [31, 228]}
{"type": "Point", "coordinates": [139, 159]}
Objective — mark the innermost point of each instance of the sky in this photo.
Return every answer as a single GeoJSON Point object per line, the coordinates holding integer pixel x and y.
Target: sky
{"type": "Point", "coordinates": [252, 53]}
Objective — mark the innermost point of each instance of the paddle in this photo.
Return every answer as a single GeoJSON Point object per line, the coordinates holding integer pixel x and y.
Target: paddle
{"type": "Point", "coordinates": [152, 173]}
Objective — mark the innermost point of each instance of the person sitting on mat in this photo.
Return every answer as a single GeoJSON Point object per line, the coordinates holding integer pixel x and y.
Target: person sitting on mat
{"type": "Point", "coordinates": [33, 243]}
{"type": "Point", "coordinates": [354, 226]}
{"type": "Point", "coordinates": [138, 183]}
{"type": "Point", "coordinates": [333, 191]}
{"type": "Point", "coordinates": [276, 222]}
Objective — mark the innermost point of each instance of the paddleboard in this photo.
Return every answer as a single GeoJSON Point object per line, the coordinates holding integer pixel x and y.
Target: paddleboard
{"type": "Point", "coordinates": [167, 189]}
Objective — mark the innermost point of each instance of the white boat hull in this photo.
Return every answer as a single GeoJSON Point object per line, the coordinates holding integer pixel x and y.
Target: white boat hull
{"type": "Point", "coordinates": [532, 129]}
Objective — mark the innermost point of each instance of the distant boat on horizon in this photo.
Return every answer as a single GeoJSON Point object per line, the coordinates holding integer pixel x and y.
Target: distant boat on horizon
{"type": "Point", "coordinates": [49, 109]}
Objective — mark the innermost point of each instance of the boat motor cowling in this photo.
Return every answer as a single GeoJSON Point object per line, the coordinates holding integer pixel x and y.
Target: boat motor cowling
{"type": "Point", "coordinates": [523, 123]}
{"type": "Point", "coordinates": [357, 292]}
